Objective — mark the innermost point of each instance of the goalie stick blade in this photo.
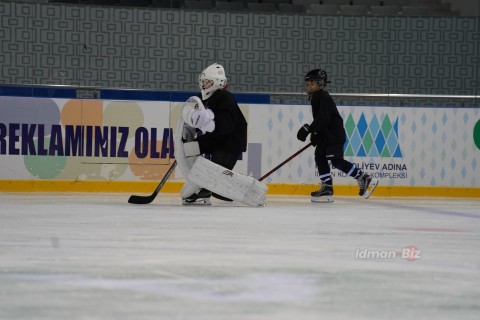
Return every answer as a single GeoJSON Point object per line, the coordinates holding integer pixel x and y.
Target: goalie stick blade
{"type": "Point", "coordinates": [370, 189]}
{"type": "Point", "coordinates": [141, 200]}
{"type": "Point", "coordinates": [148, 199]}
{"type": "Point", "coordinates": [217, 196]}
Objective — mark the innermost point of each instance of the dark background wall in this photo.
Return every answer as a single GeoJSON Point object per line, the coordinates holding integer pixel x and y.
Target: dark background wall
{"type": "Point", "coordinates": [151, 48]}
{"type": "Point", "coordinates": [465, 7]}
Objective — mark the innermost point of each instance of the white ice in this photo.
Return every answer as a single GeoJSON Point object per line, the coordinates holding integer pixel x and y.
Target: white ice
{"type": "Point", "coordinates": [94, 256]}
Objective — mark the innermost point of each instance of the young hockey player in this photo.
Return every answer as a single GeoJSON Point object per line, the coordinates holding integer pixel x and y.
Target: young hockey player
{"type": "Point", "coordinates": [327, 134]}
{"type": "Point", "coordinates": [223, 125]}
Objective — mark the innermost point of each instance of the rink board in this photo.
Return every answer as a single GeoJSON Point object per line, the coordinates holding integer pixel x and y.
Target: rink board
{"type": "Point", "coordinates": [49, 144]}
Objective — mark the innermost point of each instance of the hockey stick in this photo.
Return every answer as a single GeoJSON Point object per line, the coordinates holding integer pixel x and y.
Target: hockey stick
{"type": "Point", "coordinates": [281, 164]}
{"type": "Point", "coordinates": [147, 199]}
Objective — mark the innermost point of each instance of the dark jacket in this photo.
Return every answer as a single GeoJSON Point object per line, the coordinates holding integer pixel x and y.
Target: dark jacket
{"type": "Point", "coordinates": [230, 132]}
{"type": "Point", "coordinates": [327, 122]}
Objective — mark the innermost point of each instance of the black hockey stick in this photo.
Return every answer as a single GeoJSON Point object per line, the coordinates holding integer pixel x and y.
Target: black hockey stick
{"type": "Point", "coordinates": [148, 199]}
{"type": "Point", "coordinates": [281, 164]}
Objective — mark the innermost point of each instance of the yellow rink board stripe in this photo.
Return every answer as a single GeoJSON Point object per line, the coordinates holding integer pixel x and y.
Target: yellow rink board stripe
{"type": "Point", "coordinates": [139, 187]}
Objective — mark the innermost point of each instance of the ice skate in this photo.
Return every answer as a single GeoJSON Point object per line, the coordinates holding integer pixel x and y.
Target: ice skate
{"type": "Point", "coordinates": [323, 195]}
{"type": "Point", "coordinates": [366, 184]}
{"type": "Point", "coordinates": [202, 197]}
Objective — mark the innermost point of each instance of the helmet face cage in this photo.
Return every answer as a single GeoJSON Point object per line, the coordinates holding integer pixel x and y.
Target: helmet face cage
{"type": "Point", "coordinates": [318, 75]}
{"type": "Point", "coordinates": [211, 79]}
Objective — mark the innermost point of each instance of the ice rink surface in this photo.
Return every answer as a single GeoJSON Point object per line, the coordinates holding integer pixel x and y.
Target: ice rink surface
{"type": "Point", "coordinates": [94, 256]}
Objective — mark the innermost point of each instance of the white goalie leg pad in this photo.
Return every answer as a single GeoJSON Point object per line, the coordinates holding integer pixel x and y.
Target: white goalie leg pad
{"type": "Point", "coordinates": [227, 183]}
{"type": "Point", "coordinates": [188, 134]}
{"type": "Point", "coordinates": [184, 164]}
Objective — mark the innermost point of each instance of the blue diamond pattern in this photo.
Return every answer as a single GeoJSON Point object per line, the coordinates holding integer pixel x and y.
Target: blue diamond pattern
{"type": "Point", "coordinates": [374, 152]}
{"type": "Point", "coordinates": [392, 142]}
{"type": "Point", "coordinates": [300, 116]}
{"type": "Point", "coordinates": [290, 125]}
{"type": "Point", "coordinates": [280, 116]}
{"type": "Point", "coordinates": [380, 141]}
{"type": "Point", "coordinates": [398, 152]}
{"type": "Point", "coordinates": [299, 171]}
{"type": "Point", "coordinates": [355, 141]}
{"type": "Point", "coordinates": [362, 126]}
{"type": "Point", "coordinates": [270, 124]}
{"type": "Point", "coordinates": [361, 152]}
{"type": "Point", "coordinates": [464, 173]}
{"type": "Point", "coordinates": [374, 126]}
{"type": "Point", "coordinates": [424, 119]}
{"type": "Point", "coordinates": [453, 163]}
{"type": "Point", "coordinates": [414, 127]}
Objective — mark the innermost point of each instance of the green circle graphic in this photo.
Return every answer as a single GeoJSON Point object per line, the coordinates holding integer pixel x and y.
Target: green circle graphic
{"type": "Point", "coordinates": [44, 167]}
{"type": "Point", "coordinates": [476, 134]}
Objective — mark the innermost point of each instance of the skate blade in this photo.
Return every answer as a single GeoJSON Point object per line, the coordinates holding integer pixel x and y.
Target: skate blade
{"type": "Point", "coordinates": [325, 199]}
{"type": "Point", "coordinates": [371, 188]}
{"type": "Point", "coordinates": [198, 202]}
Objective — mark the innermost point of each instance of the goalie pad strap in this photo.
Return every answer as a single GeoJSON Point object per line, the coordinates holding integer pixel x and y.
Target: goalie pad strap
{"type": "Point", "coordinates": [229, 184]}
{"type": "Point", "coordinates": [191, 149]}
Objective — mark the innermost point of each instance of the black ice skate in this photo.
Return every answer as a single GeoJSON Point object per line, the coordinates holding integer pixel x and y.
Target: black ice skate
{"type": "Point", "coordinates": [366, 184]}
{"type": "Point", "coordinates": [202, 197]}
{"type": "Point", "coordinates": [324, 194]}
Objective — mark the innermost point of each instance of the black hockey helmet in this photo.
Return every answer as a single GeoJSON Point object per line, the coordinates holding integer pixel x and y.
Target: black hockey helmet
{"type": "Point", "coordinates": [318, 75]}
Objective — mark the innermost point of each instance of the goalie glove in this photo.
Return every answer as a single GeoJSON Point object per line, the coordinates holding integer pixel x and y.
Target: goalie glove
{"type": "Point", "coordinates": [203, 120]}
{"type": "Point", "coordinates": [303, 132]}
{"type": "Point", "coordinates": [198, 117]}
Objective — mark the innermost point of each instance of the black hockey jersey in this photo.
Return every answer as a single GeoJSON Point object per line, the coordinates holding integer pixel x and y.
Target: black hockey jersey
{"type": "Point", "coordinates": [327, 122]}
{"type": "Point", "coordinates": [230, 132]}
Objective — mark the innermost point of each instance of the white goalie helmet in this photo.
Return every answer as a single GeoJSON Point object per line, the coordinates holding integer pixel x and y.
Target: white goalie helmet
{"type": "Point", "coordinates": [211, 79]}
